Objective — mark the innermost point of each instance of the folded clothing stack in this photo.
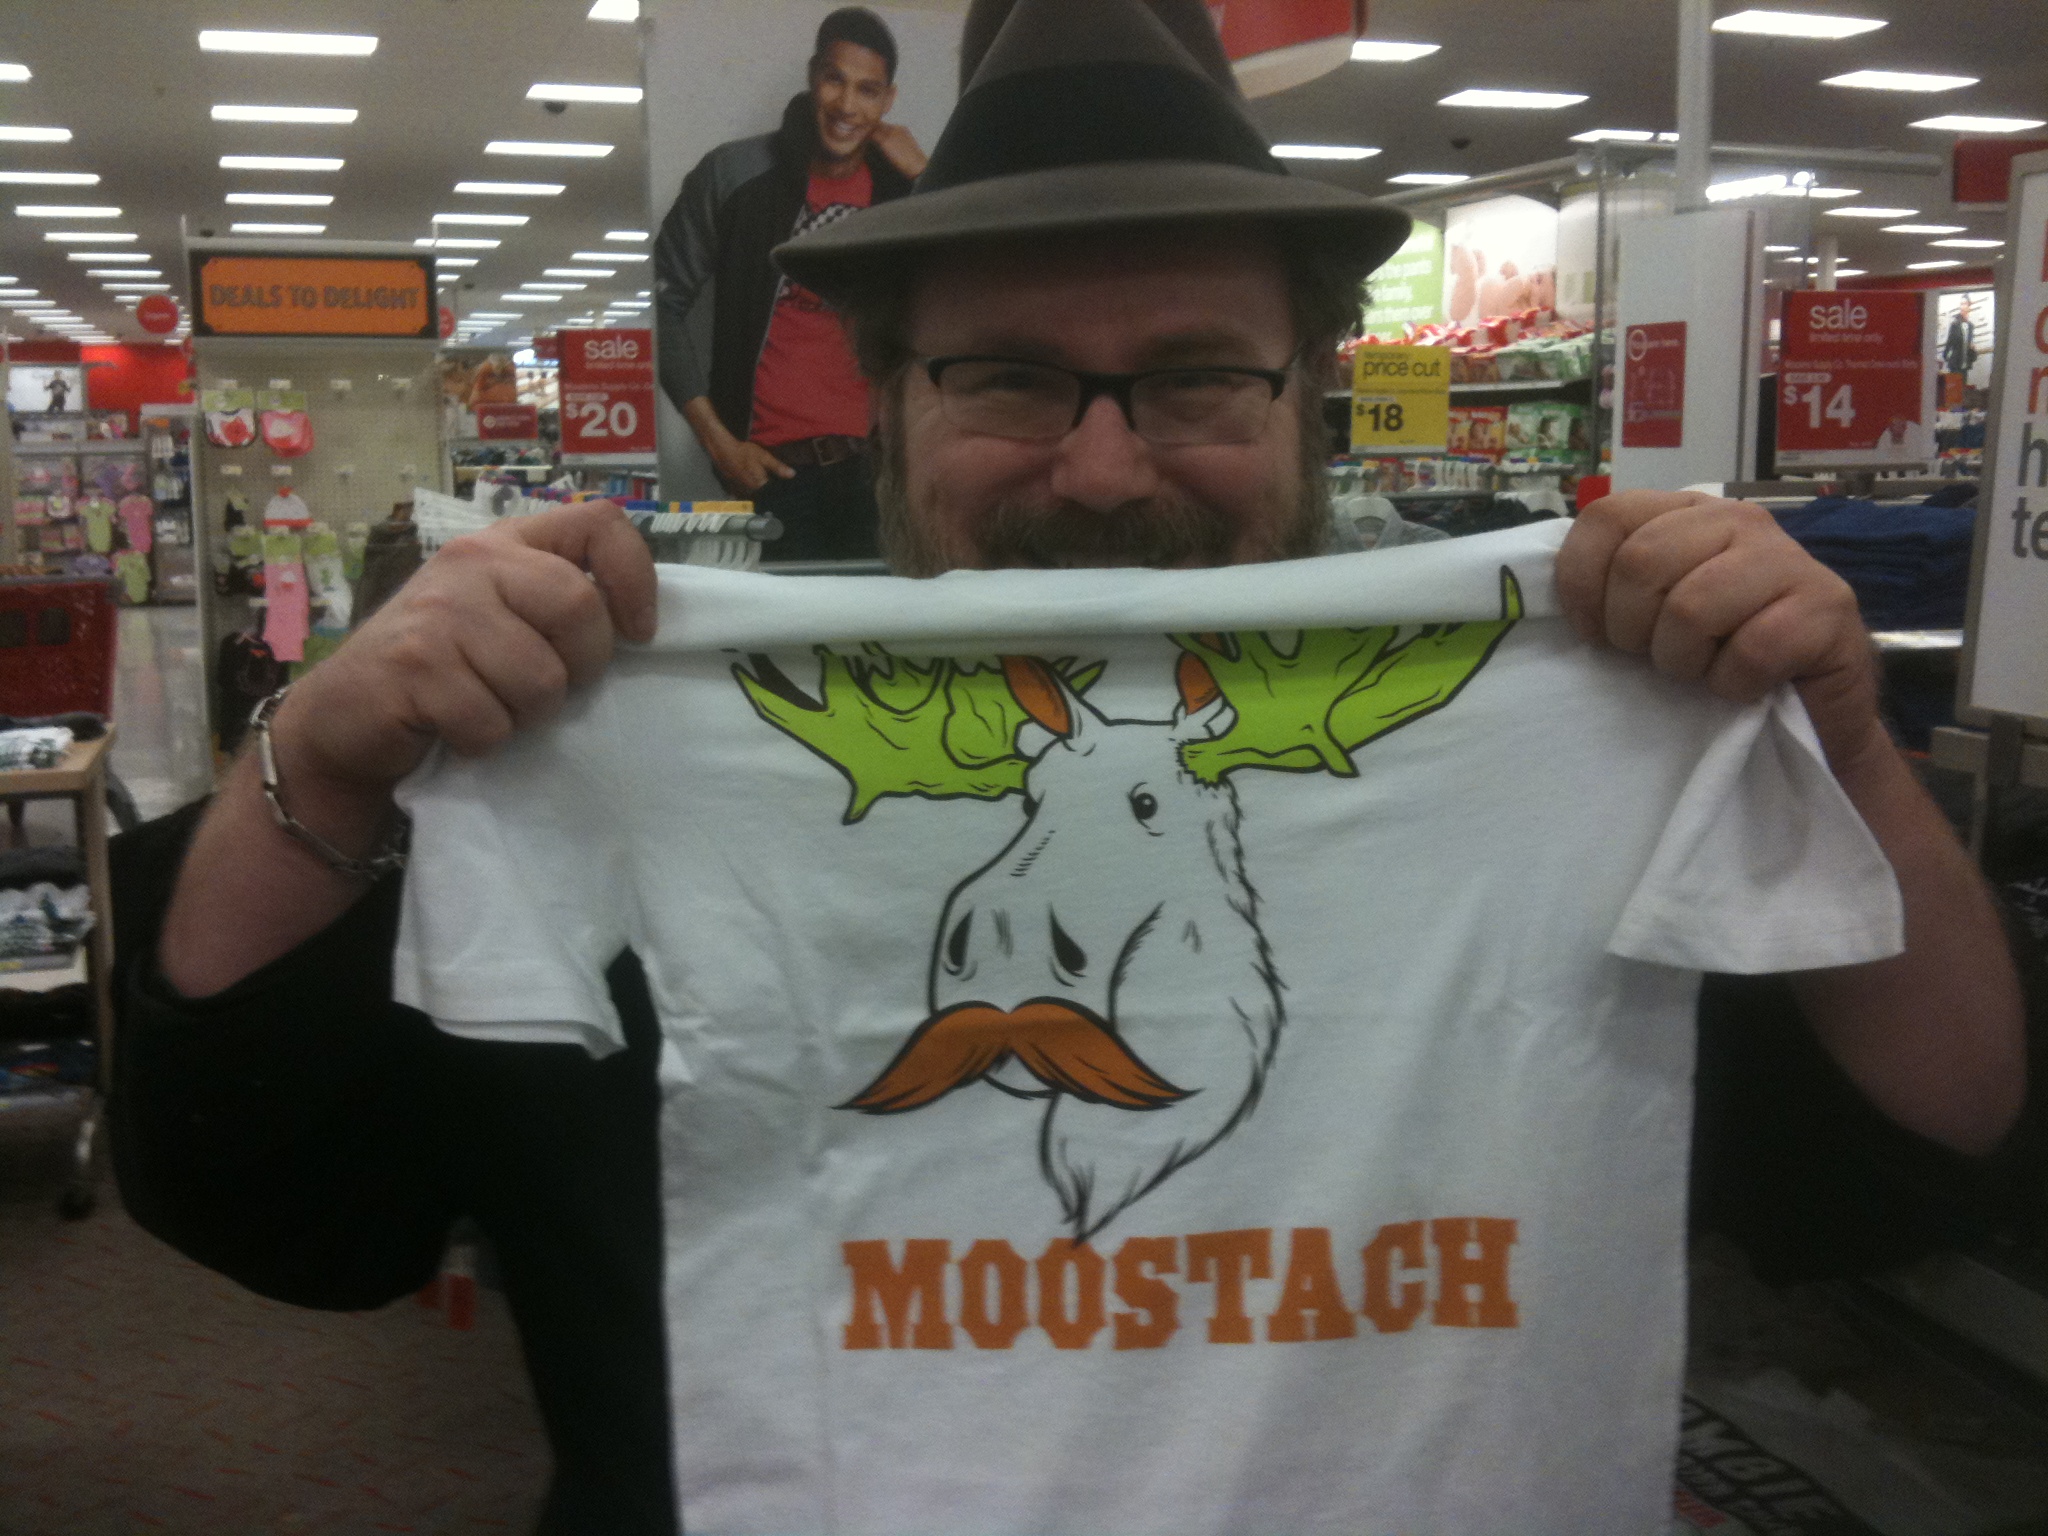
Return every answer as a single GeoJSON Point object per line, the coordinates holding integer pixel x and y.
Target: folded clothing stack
{"type": "Point", "coordinates": [1908, 563]}
{"type": "Point", "coordinates": [34, 747]}
{"type": "Point", "coordinates": [42, 926]}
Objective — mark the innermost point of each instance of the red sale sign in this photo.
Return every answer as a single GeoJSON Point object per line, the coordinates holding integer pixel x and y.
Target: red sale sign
{"type": "Point", "coordinates": [607, 384]}
{"type": "Point", "coordinates": [1856, 379]}
{"type": "Point", "coordinates": [1653, 386]}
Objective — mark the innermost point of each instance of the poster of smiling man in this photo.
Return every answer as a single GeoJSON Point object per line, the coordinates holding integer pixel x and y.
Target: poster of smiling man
{"type": "Point", "coordinates": [767, 120]}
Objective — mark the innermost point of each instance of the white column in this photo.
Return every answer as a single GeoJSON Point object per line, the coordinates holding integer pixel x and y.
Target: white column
{"type": "Point", "coordinates": [1695, 101]}
{"type": "Point", "coordinates": [1829, 249]}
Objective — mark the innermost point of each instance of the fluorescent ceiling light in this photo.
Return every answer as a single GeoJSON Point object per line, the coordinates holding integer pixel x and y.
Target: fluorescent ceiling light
{"type": "Point", "coordinates": [122, 272]}
{"type": "Point", "coordinates": [1898, 80]}
{"type": "Point", "coordinates": [454, 244]}
{"type": "Point", "coordinates": [1930, 266]}
{"type": "Point", "coordinates": [19, 135]}
{"type": "Point", "coordinates": [1428, 178]}
{"type": "Point", "coordinates": [1779, 250]}
{"type": "Point", "coordinates": [87, 234]}
{"type": "Point", "coordinates": [1825, 194]}
{"type": "Point", "coordinates": [1796, 24]}
{"type": "Point", "coordinates": [1324, 151]}
{"type": "Point", "coordinates": [529, 298]}
{"type": "Point", "coordinates": [136, 287]}
{"type": "Point", "coordinates": [1849, 272]}
{"type": "Point", "coordinates": [455, 261]}
{"type": "Point", "coordinates": [1623, 136]}
{"type": "Point", "coordinates": [578, 272]}
{"type": "Point", "coordinates": [1927, 229]}
{"type": "Point", "coordinates": [446, 278]}
{"type": "Point", "coordinates": [109, 256]}
{"type": "Point", "coordinates": [555, 148]}
{"type": "Point", "coordinates": [1528, 101]}
{"type": "Point", "coordinates": [1871, 213]}
{"type": "Point", "coordinates": [555, 287]}
{"type": "Point", "coordinates": [492, 314]}
{"type": "Point", "coordinates": [1968, 245]}
{"type": "Point", "coordinates": [278, 229]}
{"type": "Point", "coordinates": [328, 44]}
{"type": "Point", "coordinates": [31, 304]}
{"type": "Point", "coordinates": [644, 293]}
{"type": "Point", "coordinates": [48, 179]}
{"type": "Point", "coordinates": [628, 235]}
{"type": "Point", "coordinates": [15, 74]}
{"type": "Point", "coordinates": [284, 114]}
{"type": "Point", "coordinates": [18, 293]}
{"type": "Point", "coordinates": [1373, 51]}
{"type": "Point", "coordinates": [1959, 123]}
{"type": "Point", "coordinates": [63, 211]}
{"type": "Point", "coordinates": [279, 163]}
{"type": "Point", "coordinates": [282, 199]}
{"type": "Point", "coordinates": [511, 188]}
{"type": "Point", "coordinates": [631, 304]}
{"type": "Point", "coordinates": [609, 256]}
{"type": "Point", "coordinates": [1748, 186]}
{"type": "Point", "coordinates": [510, 220]}
{"type": "Point", "coordinates": [614, 95]}
{"type": "Point", "coordinates": [615, 10]}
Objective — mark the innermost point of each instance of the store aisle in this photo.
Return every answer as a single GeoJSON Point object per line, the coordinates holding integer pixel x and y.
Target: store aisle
{"type": "Point", "coordinates": [139, 1392]}
{"type": "Point", "coordinates": [162, 753]}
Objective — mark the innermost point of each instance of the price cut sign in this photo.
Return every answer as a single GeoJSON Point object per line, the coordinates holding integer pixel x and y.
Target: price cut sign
{"type": "Point", "coordinates": [1856, 379]}
{"type": "Point", "coordinates": [607, 394]}
{"type": "Point", "coordinates": [1401, 400]}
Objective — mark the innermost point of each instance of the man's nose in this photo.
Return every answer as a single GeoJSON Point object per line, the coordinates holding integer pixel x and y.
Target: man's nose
{"type": "Point", "coordinates": [1102, 464]}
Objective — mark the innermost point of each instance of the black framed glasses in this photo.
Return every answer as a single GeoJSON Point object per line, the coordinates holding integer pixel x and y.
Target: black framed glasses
{"type": "Point", "coordinates": [1040, 402]}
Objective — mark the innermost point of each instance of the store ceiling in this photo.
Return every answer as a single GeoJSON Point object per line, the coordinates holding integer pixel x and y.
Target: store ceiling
{"type": "Point", "coordinates": [129, 80]}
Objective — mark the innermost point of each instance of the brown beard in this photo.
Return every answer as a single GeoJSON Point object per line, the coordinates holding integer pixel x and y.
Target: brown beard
{"type": "Point", "coordinates": [1066, 1047]}
{"type": "Point", "coordinates": [1163, 532]}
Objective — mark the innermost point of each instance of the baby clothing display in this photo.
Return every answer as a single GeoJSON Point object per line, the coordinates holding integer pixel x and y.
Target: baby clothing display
{"type": "Point", "coordinates": [327, 579]}
{"type": "Point", "coordinates": [230, 417]}
{"type": "Point", "coordinates": [131, 569]}
{"type": "Point", "coordinates": [1140, 1046]}
{"type": "Point", "coordinates": [138, 518]}
{"type": "Point", "coordinates": [287, 613]}
{"type": "Point", "coordinates": [97, 513]}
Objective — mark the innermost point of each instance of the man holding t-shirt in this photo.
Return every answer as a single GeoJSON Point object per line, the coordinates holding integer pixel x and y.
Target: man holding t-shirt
{"type": "Point", "coordinates": [780, 407]}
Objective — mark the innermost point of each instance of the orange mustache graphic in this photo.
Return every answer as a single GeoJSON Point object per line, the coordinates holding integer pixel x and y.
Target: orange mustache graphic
{"type": "Point", "coordinates": [1063, 1045]}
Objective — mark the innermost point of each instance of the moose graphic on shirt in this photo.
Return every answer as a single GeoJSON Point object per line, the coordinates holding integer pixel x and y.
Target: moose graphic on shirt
{"type": "Point", "coordinates": [1109, 959]}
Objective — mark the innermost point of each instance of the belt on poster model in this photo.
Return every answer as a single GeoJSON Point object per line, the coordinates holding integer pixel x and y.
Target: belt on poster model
{"type": "Point", "coordinates": [817, 452]}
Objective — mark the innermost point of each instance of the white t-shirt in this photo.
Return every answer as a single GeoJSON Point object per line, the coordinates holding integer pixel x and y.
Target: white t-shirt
{"type": "Point", "coordinates": [1337, 987]}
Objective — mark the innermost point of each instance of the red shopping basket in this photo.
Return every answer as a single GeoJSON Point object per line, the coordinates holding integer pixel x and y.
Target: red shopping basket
{"type": "Point", "coordinates": [56, 646]}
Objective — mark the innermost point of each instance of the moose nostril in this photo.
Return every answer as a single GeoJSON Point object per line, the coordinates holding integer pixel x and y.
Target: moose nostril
{"type": "Point", "coordinates": [956, 946]}
{"type": "Point", "coordinates": [1072, 957]}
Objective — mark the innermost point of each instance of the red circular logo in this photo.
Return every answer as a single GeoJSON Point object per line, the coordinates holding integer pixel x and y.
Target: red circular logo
{"type": "Point", "coordinates": [447, 322]}
{"type": "Point", "coordinates": [158, 314]}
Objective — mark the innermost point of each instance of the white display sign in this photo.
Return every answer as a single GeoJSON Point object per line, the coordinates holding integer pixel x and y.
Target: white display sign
{"type": "Point", "coordinates": [2008, 670]}
{"type": "Point", "coordinates": [1503, 259]}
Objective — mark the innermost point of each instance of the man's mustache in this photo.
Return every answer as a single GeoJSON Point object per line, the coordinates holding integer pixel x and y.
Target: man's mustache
{"type": "Point", "coordinates": [1063, 1045]}
{"type": "Point", "coordinates": [1162, 532]}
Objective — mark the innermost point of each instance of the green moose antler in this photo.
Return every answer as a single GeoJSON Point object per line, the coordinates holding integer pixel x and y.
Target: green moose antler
{"type": "Point", "coordinates": [940, 730]}
{"type": "Point", "coordinates": [1309, 711]}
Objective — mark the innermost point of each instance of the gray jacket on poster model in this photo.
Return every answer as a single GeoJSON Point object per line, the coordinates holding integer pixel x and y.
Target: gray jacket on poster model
{"type": "Point", "coordinates": [742, 200]}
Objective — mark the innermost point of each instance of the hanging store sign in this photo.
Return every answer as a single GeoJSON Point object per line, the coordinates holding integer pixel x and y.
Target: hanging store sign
{"type": "Point", "coordinates": [1401, 400]}
{"type": "Point", "coordinates": [158, 314]}
{"type": "Point", "coordinates": [1856, 379]}
{"type": "Point", "coordinates": [607, 383]}
{"type": "Point", "coordinates": [1653, 386]}
{"type": "Point", "coordinates": [1277, 44]}
{"type": "Point", "coordinates": [314, 296]}
{"type": "Point", "coordinates": [2009, 605]}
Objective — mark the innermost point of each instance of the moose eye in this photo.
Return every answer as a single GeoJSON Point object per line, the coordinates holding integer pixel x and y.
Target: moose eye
{"type": "Point", "coordinates": [1143, 806]}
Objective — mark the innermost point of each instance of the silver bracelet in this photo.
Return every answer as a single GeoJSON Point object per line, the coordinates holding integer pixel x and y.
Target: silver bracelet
{"type": "Point", "coordinates": [387, 859]}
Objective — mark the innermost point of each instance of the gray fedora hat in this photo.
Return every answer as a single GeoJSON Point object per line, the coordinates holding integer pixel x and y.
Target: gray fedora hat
{"type": "Point", "coordinates": [1093, 115]}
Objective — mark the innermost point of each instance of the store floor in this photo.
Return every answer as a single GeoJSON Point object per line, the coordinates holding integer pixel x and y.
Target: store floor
{"type": "Point", "coordinates": [140, 1393]}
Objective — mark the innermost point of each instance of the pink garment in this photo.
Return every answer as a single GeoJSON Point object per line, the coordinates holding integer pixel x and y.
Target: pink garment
{"type": "Point", "coordinates": [138, 521]}
{"type": "Point", "coordinates": [288, 610]}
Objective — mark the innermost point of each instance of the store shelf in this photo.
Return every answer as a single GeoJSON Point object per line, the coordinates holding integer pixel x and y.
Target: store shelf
{"type": "Point", "coordinates": [1520, 387]}
{"type": "Point", "coordinates": [95, 446]}
{"type": "Point", "coordinates": [72, 975]}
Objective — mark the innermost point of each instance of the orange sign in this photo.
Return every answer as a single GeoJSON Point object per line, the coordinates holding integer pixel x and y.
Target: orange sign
{"type": "Point", "coordinates": [314, 296]}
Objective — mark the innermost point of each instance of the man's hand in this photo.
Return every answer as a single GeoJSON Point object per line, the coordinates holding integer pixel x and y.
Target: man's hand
{"type": "Point", "coordinates": [744, 467]}
{"type": "Point", "coordinates": [487, 639]}
{"type": "Point", "coordinates": [900, 146]}
{"type": "Point", "coordinates": [1715, 591]}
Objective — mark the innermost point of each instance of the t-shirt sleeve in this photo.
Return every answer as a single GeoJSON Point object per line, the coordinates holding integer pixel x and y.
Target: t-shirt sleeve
{"type": "Point", "coordinates": [519, 889]}
{"type": "Point", "coordinates": [1764, 865]}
